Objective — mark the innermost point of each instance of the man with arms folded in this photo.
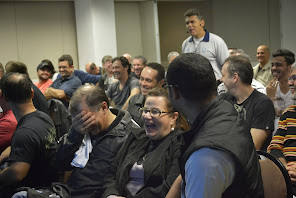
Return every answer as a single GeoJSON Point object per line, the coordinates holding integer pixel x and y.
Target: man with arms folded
{"type": "Point", "coordinates": [63, 87]}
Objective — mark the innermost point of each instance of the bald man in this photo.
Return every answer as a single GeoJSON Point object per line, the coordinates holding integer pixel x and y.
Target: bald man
{"type": "Point", "coordinates": [262, 71]}
{"type": "Point", "coordinates": [91, 68]}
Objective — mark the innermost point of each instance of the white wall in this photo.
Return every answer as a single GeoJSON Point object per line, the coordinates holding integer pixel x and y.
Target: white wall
{"type": "Point", "coordinates": [137, 29]}
{"type": "Point", "coordinates": [32, 31]}
{"type": "Point", "coordinates": [288, 27]}
{"type": "Point", "coordinates": [247, 24]}
{"type": "Point", "coordinates": [96, 35]}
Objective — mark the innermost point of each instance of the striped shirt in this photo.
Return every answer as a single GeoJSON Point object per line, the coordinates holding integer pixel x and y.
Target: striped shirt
{"type": "Point", "coordinates": [283, 143]}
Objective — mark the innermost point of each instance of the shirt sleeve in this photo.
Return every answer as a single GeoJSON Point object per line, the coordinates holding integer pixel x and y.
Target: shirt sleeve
{"type": "Point", "coordinates": [134, 83]}
{"type": "Point", "coordinates": [277, 144]}
{"type": "Point", "coordinates": [71, 87]}
{"type": "Point", "coordinates": [24, 147]}
{"type": "Point", "coordinates": [207, 168]}
{"type": "Point", "coordinates": [264, 115]}
{"type": "Point", "coordinates": [109, 91]}
{"type": "Point", "coordinates": [222, 52]}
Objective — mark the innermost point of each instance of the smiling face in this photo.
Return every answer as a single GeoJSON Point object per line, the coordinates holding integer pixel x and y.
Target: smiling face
{"type": "Point", "coordinates": [138, 66]}
{"type": "Point", "coordinates": [108, 67]}
{"type": "Point", "coordinates": [279, 67]}
{"type": "Point", "coordinates": [118, 70]}
{"type": "Point", "coordinates": [44, 73]}
{"type": "Point", "coordinates": [65, 69]}
{"type": "Point", "coordinates": [195, 26]}
{"type": "Point", "coordinates": [158, 127]}
{"type": "Point", "coordinates": [148, 80]}
{"type": "Point", "coordinates": [262, 55]}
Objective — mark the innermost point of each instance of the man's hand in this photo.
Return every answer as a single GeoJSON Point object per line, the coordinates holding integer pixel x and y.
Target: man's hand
{"type": "Point", "coordinates": [271, 88]}
{"type": "Point", "coordinates": [291, 168]}
{"type": "Point", "coordinates": [83, 122]}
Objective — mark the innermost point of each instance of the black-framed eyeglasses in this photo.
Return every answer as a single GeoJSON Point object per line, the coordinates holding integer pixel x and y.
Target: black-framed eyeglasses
{"type": "Point", "coordinates": [153, 112]}
{"type": "Point", "coordinates": [293, 77]}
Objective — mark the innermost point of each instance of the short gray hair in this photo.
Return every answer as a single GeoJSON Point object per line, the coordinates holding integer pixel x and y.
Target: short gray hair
{"type": "Point", "coordinates": [171, 54]}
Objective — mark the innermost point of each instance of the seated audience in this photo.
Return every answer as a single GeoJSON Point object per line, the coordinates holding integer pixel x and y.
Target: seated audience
{"type": "Point", "coordinates": [218, 158]}
{"type": "Point", "coordinates": [152, 76]}
{"type": "Point", "coordinates": [139, 62]}
{"type": "Point", "coordinates": [44, 71]}
{"type": "Point", "coordinates": [122, 90]}
{"type": "Point", "coordinates": [256, 108]}
{"type": "Point", "coordinates": [262, 71]}
{"type": "Point", "coordinates": [255, 84]}
{"type": "Point", "coordinates": [31, 161]}
{"type": "Point", "coordinates": [147, 163]}
{"type": "Point", "coordinates": [91, 146]}
{"type": "Point", "coordinates": [108, 78]}
{"type": "Point", "coordinates": [39, 100]}
{"type": "Point", "coordinates": [65, 85]}
{"type": "Point", "coordinates": [283, 142]}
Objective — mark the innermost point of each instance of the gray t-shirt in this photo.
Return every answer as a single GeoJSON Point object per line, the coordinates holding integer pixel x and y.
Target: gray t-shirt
{"type": "Point", "coordinates": [120, 96]}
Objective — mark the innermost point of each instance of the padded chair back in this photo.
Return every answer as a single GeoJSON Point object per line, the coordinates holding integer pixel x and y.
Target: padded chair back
{"type": "Point", "coordinates": [276, 180]}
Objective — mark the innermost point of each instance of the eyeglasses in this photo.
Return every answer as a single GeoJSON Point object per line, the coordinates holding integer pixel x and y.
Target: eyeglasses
{"type": "Point", "coordinates": [153, 112]}
{"type": "Point", "coordinates": [292, 77]}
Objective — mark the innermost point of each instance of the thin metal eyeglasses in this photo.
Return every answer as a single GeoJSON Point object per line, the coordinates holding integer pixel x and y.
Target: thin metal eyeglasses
{"type": "Point", "coordinates": [153, 112]}
{"type": "Point", "coordinates": [293, 77]}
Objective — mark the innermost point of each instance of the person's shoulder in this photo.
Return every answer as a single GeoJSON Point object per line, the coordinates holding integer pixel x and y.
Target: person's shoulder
{"type": "Point", "coordinates": [187, 39]}
{"type": "Point", "coordinates": [260, 97]}
{"type": "Point", "coordinates": [215, 38]}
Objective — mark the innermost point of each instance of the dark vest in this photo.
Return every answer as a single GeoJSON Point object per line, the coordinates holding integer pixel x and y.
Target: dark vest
{"type": "Point", "coordinates": [218, 126]}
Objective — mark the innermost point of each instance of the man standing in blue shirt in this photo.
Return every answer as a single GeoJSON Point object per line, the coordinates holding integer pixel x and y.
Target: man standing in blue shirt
{"type": "Point", "coordinates": [204, 43]}
{"type": "Point", "coordinates": [63, 87]}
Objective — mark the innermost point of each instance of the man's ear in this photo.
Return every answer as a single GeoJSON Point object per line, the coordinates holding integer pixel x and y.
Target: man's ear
{"type": "Point", "coordinates": [175, 93]}
{"type": "Point", "coordinates": [160, 83]}
{"type": "Point", "coordinates": [235, 77]}
{"type": "Point", "coordinates": [32, 93]}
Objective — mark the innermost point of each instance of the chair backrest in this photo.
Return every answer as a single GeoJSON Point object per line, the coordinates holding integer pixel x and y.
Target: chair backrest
{"type": "Point", "coordinates": [276, 180]}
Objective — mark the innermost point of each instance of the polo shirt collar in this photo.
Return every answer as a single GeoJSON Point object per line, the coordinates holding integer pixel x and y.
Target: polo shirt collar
{"type": "Point", "coordinates": [205, 39]}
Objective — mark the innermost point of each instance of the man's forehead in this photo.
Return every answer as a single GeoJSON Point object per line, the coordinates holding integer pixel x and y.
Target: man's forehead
{"type": "Point", "coordinates": [64, 63]}
{"type": "Point", "coordinates": [148, 72]}
{"type": "Point", "coordinates": [278, 59]}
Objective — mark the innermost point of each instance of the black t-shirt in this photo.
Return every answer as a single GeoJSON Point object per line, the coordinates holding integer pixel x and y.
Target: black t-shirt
{"type": "Point", "coordinates": [257, 110]}
{"type": "Point", "coordinates": [34, 143]}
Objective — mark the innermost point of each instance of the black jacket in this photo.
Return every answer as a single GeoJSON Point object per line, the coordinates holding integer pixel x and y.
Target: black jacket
{"type": "Point", "coordinates": [160, 168]}
{"type": "Point", "coordinates": [218, 126]}
{"type": "Point", "coordinates": [85, 181]}
{"type": "Point", "coordinates": [135, 103]}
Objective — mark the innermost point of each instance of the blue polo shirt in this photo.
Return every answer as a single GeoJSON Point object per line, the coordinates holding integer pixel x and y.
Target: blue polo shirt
{"type": "Point", "coordinates": [68, 84]}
